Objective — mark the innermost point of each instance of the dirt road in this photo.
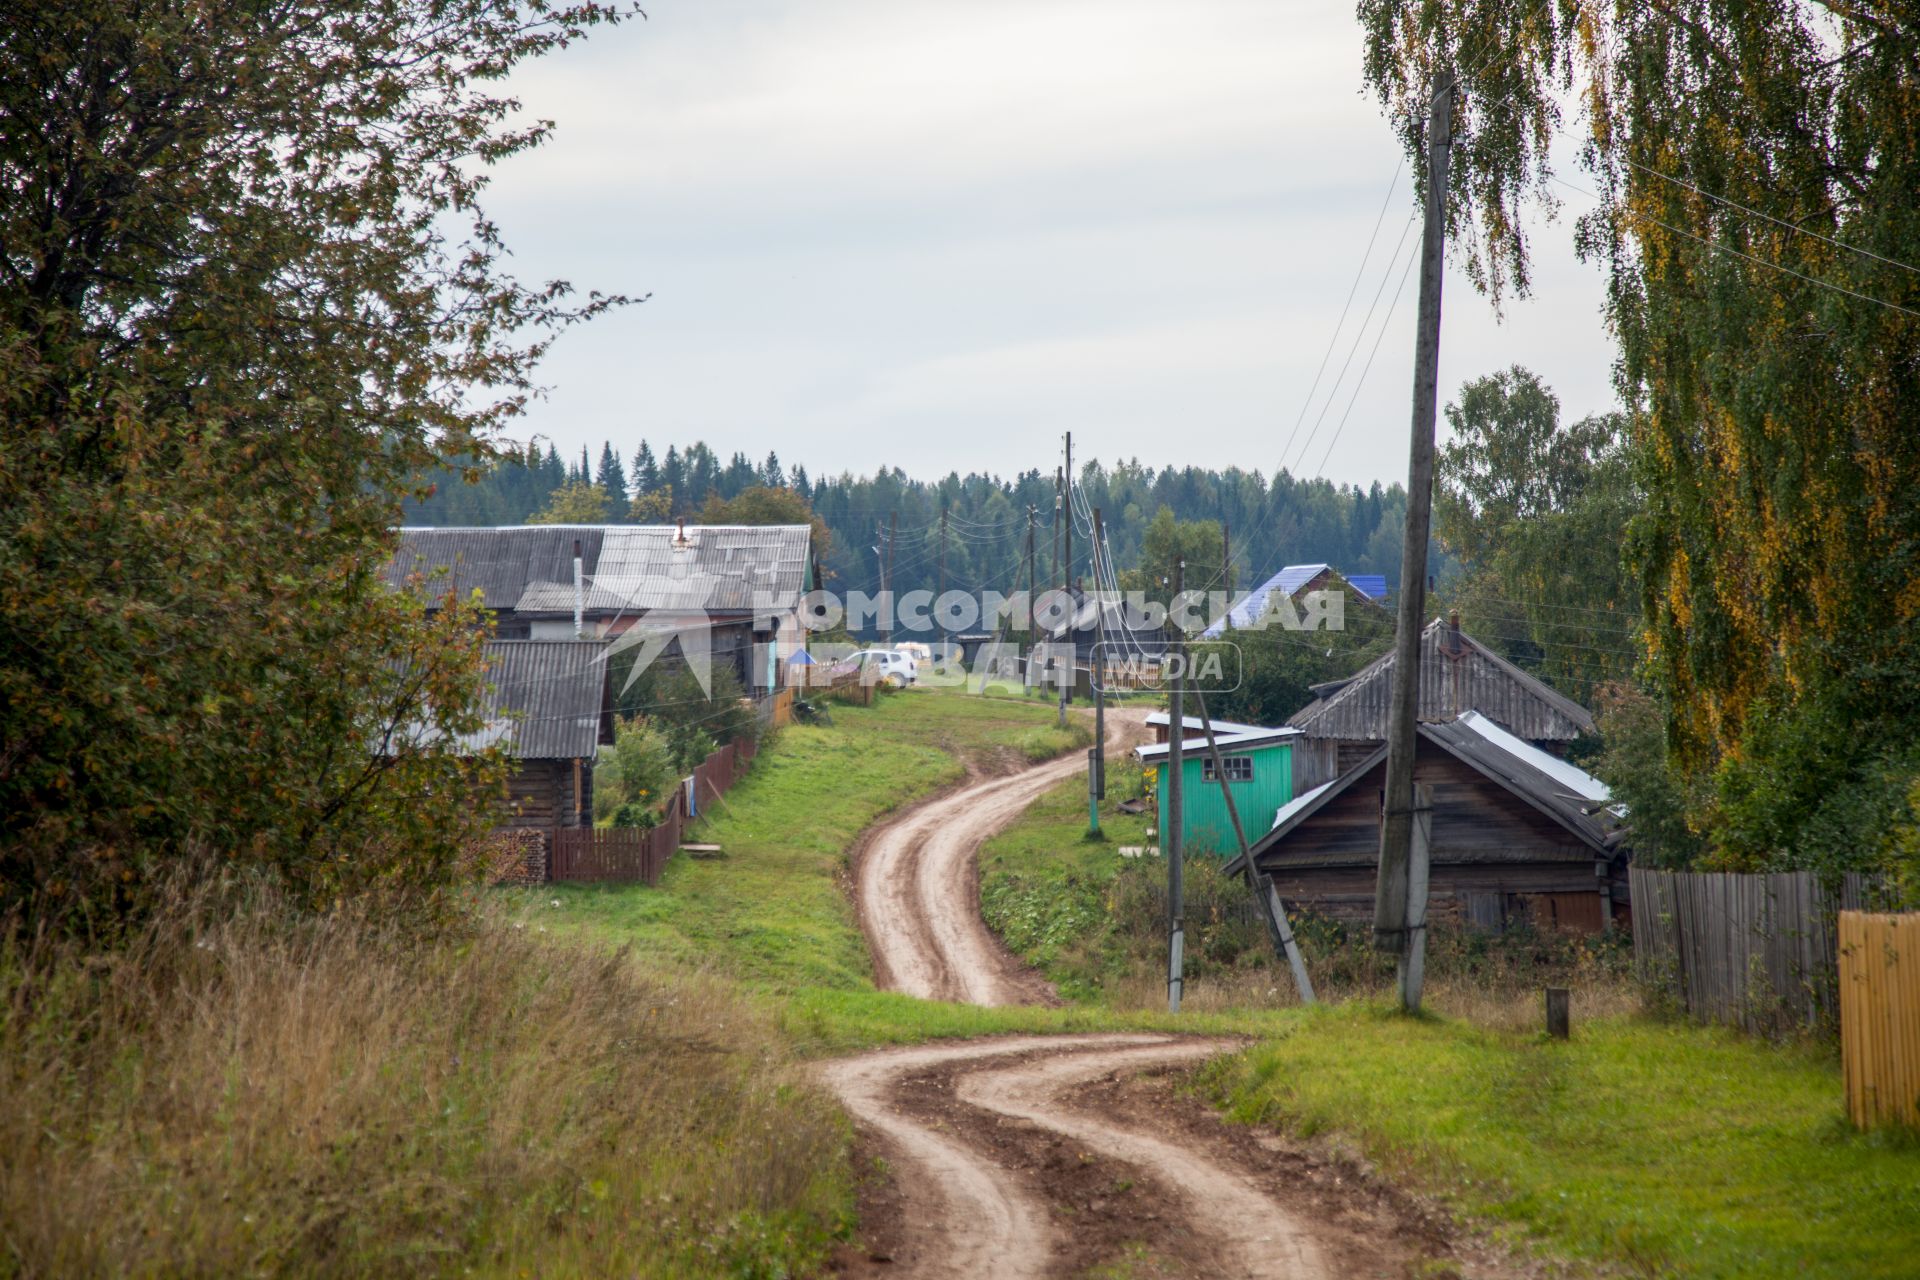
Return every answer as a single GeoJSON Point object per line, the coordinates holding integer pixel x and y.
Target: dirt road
{"type": "Point", "coordinates": [1037, 1156]}
{"type": "Point", "coordinates": [918, 886]}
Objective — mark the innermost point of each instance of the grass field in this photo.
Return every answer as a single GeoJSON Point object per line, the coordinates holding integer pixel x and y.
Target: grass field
{"type": "Point", "coordinates": [773, 912]}
{"type": "Point", "coordinates": [1667, 1148]}
{"type": "Point", "coordinates": [1655, 1147]}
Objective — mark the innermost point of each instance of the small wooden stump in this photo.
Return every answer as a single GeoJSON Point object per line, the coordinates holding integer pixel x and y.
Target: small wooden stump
{"type": "Point", "coordinates": [1559, 1012]}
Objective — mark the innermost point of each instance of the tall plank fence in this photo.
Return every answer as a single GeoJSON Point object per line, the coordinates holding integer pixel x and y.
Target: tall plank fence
{"type": "Point", "coordinates": [1754, 951]}
{"type": "Point", "coordinates": [1880, 1017]}
{"type": "Point", "coordinates": [629, 854]}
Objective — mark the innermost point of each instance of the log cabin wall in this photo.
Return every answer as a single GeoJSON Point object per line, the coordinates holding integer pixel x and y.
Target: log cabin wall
{"type": "Point", "coordinates": [540, 795]}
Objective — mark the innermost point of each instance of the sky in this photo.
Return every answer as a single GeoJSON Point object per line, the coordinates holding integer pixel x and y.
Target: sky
{"type": "Point", "coordinates": [938, 235]}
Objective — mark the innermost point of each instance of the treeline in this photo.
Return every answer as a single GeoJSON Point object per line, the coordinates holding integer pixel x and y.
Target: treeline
{"type": "Point", "coordinates": [1263, 524]}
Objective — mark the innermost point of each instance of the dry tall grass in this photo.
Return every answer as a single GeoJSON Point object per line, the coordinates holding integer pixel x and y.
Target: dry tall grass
{"type": "Point", "coordinates": [234, 1094]}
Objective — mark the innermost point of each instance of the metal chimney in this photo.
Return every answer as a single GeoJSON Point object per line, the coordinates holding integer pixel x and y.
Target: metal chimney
{"type": "Point", "coordinates": [579, 593]}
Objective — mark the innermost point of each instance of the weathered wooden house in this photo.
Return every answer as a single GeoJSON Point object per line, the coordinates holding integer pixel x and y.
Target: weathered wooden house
{"type": "Point", "coordinates": [1293, 584]}
{"type": "Point", "coordinates": [740, 586]}
{"type": "Point", "coordinates": [550, 703]}
{"type": "Point", "coordinates": [1264, 769]}
{"type": "Point", "coordinates": [1517, 834]}
{"type": "Point", "coordinates": [1457, 674]}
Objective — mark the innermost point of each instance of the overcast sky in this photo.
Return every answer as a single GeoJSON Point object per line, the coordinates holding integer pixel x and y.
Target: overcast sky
{"type": "Point", "coordinates": [936, 235]}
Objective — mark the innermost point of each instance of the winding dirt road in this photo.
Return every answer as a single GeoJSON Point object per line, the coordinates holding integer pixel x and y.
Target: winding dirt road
{"type": "Point", "coordinates": [1054, 1156]}
{"type": "Point", "coordinates": [917, 884]}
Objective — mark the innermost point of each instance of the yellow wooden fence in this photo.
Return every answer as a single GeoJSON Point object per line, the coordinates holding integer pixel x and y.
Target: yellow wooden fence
{"type": "Point", "coordinates": [1880, 1017]}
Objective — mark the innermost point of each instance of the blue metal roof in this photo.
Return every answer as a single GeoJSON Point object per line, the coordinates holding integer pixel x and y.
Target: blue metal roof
{"type": "Point", "coordinates": [1254, 603]}
{"type": "Point", "coordinates": [1371, 585]}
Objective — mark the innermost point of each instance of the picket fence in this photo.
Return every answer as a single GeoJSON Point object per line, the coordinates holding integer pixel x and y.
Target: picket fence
{"type": "Point", "coordinates": [1880, 1017]}
{"type": "Point", "coordinates": [628, 854]}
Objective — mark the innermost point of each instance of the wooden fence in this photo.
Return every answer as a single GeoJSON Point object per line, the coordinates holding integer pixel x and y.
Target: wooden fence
{"type": "Point", "coordinates": [629, 854]}
{"type": "Point", "coordinates": [1754, 951]}
{"type": "Point", "coordinates": [1880, 1017]}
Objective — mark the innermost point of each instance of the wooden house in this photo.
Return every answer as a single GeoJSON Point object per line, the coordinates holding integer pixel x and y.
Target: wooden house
{"type": "Point", "coordinates": [1517, 834]}
{"type": "Point", "coordinates": [1457, 674]}
{"type": "Point", "coordinates": [1263, 773]}
{"type": "Point", "coordinates": [550, 702]}
{"type": "Point", "coordinates": [740, 585]}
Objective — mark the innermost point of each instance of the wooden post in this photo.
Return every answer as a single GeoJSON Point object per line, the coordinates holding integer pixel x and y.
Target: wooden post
{"type": "Point", "coordinates": [1413, 962]}
{"type": "Point", "coordinates": [1066, 577]}
{"type": "Point", "coordinates": [1097, 769]}
{"type": "Point", "coordinates": [1272, 910]}
{"type": "Point", "coordinates": [1172, 836]}
{"type": "Point", "coordinates": [1559, 1012]}
{"type": "Point", "coordinates": [1396, 819]}
{"type": "Point", "coordinates": [886, 584]}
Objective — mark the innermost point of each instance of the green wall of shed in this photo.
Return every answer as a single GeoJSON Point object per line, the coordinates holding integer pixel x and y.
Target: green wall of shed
{"type": "Point", "coordinates": [1208, 828]}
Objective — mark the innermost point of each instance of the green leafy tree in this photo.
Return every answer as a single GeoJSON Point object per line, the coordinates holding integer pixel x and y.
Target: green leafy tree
{"type": "Point", "coordinates": [1752, 170]}
{"type": "Point", "coordinates": [634, 779]}
{"type": "Point", "coordinates": [768, 504]}
{"type": "Point", "coordinates": [238, 320]}
{"type": "Point", "coordinates": [1537, 515]}
{"type": "Point", "coordinates": [575, 502]}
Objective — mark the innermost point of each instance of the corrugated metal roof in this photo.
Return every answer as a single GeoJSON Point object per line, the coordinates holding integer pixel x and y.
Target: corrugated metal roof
{"type": "Point", "coordinates": [1257, 738]}
{"type": "Point", "coordinates": [629, 568]}
{"type": "Point", "coordinates": [1289, 582]}
{"type": "Point", "coordinates": [547, 699]}
{"type": "Point", "coordinates": [1457, 673]}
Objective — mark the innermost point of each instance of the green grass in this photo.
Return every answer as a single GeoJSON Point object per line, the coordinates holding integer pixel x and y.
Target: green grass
{"type": "Point", "coordinates": [1670, 1148]}
{"type": "Point", "coordinates": [774, 911]}
{"type": "Point", "coordinates": [1045, 887]}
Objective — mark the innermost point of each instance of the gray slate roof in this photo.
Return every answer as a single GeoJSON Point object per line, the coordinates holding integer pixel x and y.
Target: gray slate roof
{"type": "Point", "coordinates": [547, 699]}
{"type": "Point", "coordinates": [1593, 825]}
{"type": "Point", "coordinates": [629, 568]}
{"type": "Point", "coordinates": [1457, 673]}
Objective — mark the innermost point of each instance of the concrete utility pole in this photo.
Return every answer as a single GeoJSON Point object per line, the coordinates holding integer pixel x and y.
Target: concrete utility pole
{"type": "Point", "coordinates": [886, 584]}
{"type": "Point", "coordinates": [1265, 896]}
{"type": "Point", "coordinates": [943, 580]}
{"type": "Point", "coordinates": [1066, 581]}
{"type": "Point", "coordinates": [1097, 757]}
{"type": "Point", "coordinates": [1172, 834]}
{"type": "Point", "coordinates": [1396, 928]}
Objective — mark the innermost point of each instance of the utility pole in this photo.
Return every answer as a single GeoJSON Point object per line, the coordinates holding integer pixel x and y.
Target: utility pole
{"type": "Point", "coordinates": [1097, 758]}
{"type": "Point", "coordinates": [886, 584]}
{"type": "Point", "coordinates": [1026, 669]}
{"type": "Point", "coordinates": [1066, 583]}
{"type": "Point", "coordinates": [1398, 927]}
{"type": "Point", "coordinates": [1226, 558]}
{"type": "Point", "coordinates": [1172, 835]}
{"type": "Point", "coordinates": [943, 580]}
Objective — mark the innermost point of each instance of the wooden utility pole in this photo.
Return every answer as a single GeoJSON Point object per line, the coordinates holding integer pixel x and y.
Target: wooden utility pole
{"type": "Point", "coordinates": [1396, 928]}
{"type": "Point", "coordinates": [1066, 582]}
{"type": "Point", "coordinates": [1026, 668]}
{"type": "Point", "coordinates": [1172, 834]}
{"type": "Point", "coordinates": [1226, 558]}
{"type": "Point", "coordinates": [1265, 896]}
{"type": "Point", "coordinates": [943, 580]}
{"type": "Point", "coordinates": [886, 584]}
{"type": "Point", "coordinates": [1097, 758]}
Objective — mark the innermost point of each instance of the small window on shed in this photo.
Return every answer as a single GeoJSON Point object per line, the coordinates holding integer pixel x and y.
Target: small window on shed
{"type": "Point", "coordinates": [1239, 768]}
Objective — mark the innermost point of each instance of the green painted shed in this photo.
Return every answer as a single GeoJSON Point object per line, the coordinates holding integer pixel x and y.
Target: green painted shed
{"type": "Point", "coordinates": [1260, 776]}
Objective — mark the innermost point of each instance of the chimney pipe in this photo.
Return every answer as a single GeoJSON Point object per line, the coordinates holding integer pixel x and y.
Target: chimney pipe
{"type": "Point", "coordinates": [680, 537]}
{"type": "Point", "coordinates": [579, 593]}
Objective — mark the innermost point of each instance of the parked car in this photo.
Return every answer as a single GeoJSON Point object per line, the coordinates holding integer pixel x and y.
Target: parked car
{"type": "Point", "coordinates": [889, 665]}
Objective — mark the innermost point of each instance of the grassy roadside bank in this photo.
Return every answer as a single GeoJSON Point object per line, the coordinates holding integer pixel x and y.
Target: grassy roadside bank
{"type": "Point", "coordinates": [1664, 1148]}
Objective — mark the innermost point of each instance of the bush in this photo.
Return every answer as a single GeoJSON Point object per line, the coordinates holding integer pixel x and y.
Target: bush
{"type": "Point", "coordinates": [634, 777]}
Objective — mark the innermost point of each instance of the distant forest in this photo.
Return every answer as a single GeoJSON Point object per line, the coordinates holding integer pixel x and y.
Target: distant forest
{"type": "Point", "coordinates": [1267, 523]}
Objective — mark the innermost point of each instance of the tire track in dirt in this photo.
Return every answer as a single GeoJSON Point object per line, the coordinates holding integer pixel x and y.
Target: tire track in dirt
{"type": "Point", "coordinates": [917, 885]}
